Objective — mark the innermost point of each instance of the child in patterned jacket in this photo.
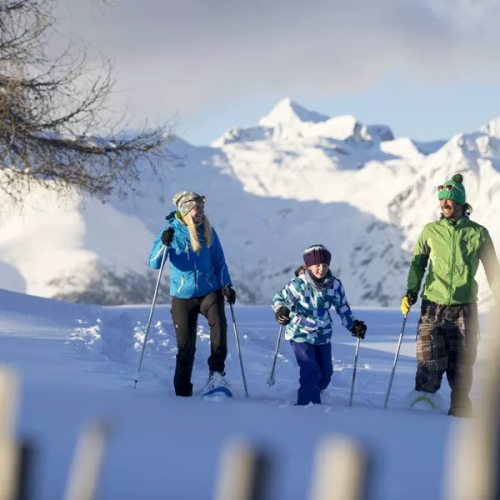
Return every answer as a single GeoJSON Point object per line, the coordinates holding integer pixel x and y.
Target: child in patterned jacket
{"type": "Point", "coordinates": [304, 307]}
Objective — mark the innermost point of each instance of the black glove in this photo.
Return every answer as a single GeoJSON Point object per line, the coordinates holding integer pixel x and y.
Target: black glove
{"type": "Point", "coordinates": [167, 236]}
{"type": "Point", "coordinates": [230, 294]}
{"type": "Point", "coordinates": [412, 297]}
{"type": "Point", "coordinates": [359, 329]}
{"type": "Point", "coordinates": [282, 315]}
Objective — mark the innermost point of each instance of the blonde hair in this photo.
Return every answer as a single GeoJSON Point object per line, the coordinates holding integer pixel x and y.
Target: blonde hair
{"type": "Point", "coordinates": [193, 233]}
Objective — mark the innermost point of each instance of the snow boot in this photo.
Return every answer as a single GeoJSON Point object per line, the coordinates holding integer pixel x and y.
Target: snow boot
{"type": "Point", "coordinates": [216, 379]}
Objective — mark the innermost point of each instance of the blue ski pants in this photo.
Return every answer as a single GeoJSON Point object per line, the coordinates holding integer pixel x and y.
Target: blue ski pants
{"type": "Point", "coordinates": [316, 369]}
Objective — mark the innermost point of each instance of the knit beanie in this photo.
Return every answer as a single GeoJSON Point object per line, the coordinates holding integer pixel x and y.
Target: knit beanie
{"type": "Point", "coordinates": [453, 190]}
{"type": "Point", "coordinates": [187, 200]}
{"type": "Point", "coordinates": [316, 254]}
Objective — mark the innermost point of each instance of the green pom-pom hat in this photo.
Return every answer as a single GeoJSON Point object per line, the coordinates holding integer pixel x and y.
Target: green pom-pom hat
{"type": "Point", "coordinates": [453, 190]}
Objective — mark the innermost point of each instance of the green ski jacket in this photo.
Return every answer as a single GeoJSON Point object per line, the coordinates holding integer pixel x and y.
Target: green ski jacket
{"type": "Point", "coordinates": [452, 252]}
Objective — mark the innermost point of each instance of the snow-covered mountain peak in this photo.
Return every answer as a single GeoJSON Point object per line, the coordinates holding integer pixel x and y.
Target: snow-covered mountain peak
{"type": "Point", "coordinates": [288, 112]}
{"type": "Point", "coordinates": [303, 179]}
{"type": "Point", "coordinates": [344, 127]}
{"type": "Point", "coordinates": [483, 145]}
{"type": "Point", "coordinates": [289, 121]}
{"type": "Point", "coordinates": [492, 128]}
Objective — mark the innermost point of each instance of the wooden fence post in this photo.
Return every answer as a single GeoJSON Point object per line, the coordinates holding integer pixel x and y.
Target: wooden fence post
{"type": "Point", "coordinates": [341, 471]}
{"type": "Point", "coordinates": [473, 462]}
{"type": "Point", "coordinates": [10, 453]}
{"type": "Point", "coordinates": [86, 467]}
{"type": "Point", "coordinates": [244, 473]}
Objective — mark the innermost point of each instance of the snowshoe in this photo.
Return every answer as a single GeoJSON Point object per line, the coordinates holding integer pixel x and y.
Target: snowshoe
{"type": "Point", "coordinates": [217, 384]}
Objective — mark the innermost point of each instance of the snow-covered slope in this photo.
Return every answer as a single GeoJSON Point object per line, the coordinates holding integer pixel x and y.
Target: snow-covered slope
{"type": "Point", "coordinates": [78, 362]}
{"type": "Point", "coordinates": [295, 179]}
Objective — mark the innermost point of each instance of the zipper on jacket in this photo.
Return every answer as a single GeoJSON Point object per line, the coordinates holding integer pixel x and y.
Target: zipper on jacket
{"type": "Point", "coordinates": [452, 269]}
{"type": "Point", "coordinates": [186, 248]}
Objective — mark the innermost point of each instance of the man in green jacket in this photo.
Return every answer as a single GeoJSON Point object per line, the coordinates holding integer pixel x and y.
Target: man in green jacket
{"type": "Point", "coordinates": [451, 248]}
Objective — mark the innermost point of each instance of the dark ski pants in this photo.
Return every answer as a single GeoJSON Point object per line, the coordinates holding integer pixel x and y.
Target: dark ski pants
{"type": "Point", "coordinates": [185, 317]}
{"type": "Point", "coordinates": [316, 369]}
{"type": "Point", "coordinates": [447, 343]}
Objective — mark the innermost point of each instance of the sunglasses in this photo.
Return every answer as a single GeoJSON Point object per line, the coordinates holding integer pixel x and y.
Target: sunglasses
{"type": "Point", "coordinates": [448, 187]}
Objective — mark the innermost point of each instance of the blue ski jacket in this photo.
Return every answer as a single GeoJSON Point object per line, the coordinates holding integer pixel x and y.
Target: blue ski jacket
{"type": "Point", "coordinates": [191, 275]}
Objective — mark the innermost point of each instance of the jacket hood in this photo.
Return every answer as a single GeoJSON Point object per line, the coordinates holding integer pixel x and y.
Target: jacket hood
{"type": "Point", "coordinates": [171, 215]}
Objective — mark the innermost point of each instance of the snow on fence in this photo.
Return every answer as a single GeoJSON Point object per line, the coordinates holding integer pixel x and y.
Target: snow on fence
{"type": "Point", "coordinates": [342, 467]}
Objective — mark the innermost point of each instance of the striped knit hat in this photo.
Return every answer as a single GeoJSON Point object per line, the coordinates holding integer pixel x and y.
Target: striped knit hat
{"type": "Point", "coordinates": [316, 254]}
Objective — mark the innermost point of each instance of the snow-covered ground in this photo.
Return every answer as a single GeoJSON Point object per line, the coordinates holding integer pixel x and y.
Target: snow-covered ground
{"type": "Point", "coordinates": [78, 363]}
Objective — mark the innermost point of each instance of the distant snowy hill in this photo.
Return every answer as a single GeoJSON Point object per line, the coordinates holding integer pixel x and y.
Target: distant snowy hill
{"type": "Point", "coordinates": [295, 179]}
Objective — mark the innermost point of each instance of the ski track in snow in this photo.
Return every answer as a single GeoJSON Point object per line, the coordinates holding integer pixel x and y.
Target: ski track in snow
{"type": "Point", "coordinates": [114, 339]}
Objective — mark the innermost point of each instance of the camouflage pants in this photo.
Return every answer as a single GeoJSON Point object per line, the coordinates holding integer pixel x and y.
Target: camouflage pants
{"type": "Point", "coordinates": [447, 343]}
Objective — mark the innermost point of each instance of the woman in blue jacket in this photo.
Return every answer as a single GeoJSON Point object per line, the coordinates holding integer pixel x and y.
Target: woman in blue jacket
{"type": "Point", "coordinates": [199, 281]}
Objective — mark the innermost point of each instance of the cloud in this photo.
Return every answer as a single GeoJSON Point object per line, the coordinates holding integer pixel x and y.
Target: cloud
{"type": "Point", "coordinates": [175, 55]}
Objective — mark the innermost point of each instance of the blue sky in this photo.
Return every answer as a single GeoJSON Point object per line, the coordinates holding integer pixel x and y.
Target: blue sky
{"type": "Point", "coordinates": [427, 68]}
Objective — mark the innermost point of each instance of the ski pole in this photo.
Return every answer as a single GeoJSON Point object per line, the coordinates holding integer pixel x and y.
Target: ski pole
{"type": "Point", "coordinates": [239, 350]}
{"type": "Point", "coordinates": [395, 362]}
{"type": "Point", "coordinates": [150, 315]}
{"type": "Point", "coordinates": [270, 380]}
{"type": "Point", "coordinates": [354, 371]}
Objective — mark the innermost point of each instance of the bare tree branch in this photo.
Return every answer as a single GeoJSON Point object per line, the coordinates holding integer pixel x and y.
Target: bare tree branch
{"type": "Point", "coordinates": [52, 126]}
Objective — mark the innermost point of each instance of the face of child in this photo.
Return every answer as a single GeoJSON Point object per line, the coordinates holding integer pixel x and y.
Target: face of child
{"type": "Point", "coordinates": [319, 270]}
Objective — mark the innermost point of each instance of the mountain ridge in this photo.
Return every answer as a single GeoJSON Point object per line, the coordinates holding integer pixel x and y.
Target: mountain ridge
{"type": "Point", "coordinates": [271, 190]}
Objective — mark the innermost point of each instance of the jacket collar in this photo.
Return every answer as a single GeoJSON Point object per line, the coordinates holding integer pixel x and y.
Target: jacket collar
{"type": "Point", "coordinates": [460, 222]}
{"type": "Point", "coordinates": [175, 219]}
{"type": "Point", "coordinates": [317, 284]}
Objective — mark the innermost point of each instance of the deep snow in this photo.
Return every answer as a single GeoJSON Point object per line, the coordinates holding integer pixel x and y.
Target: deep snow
{"type": "Point", "coordinates": [78, 363]}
